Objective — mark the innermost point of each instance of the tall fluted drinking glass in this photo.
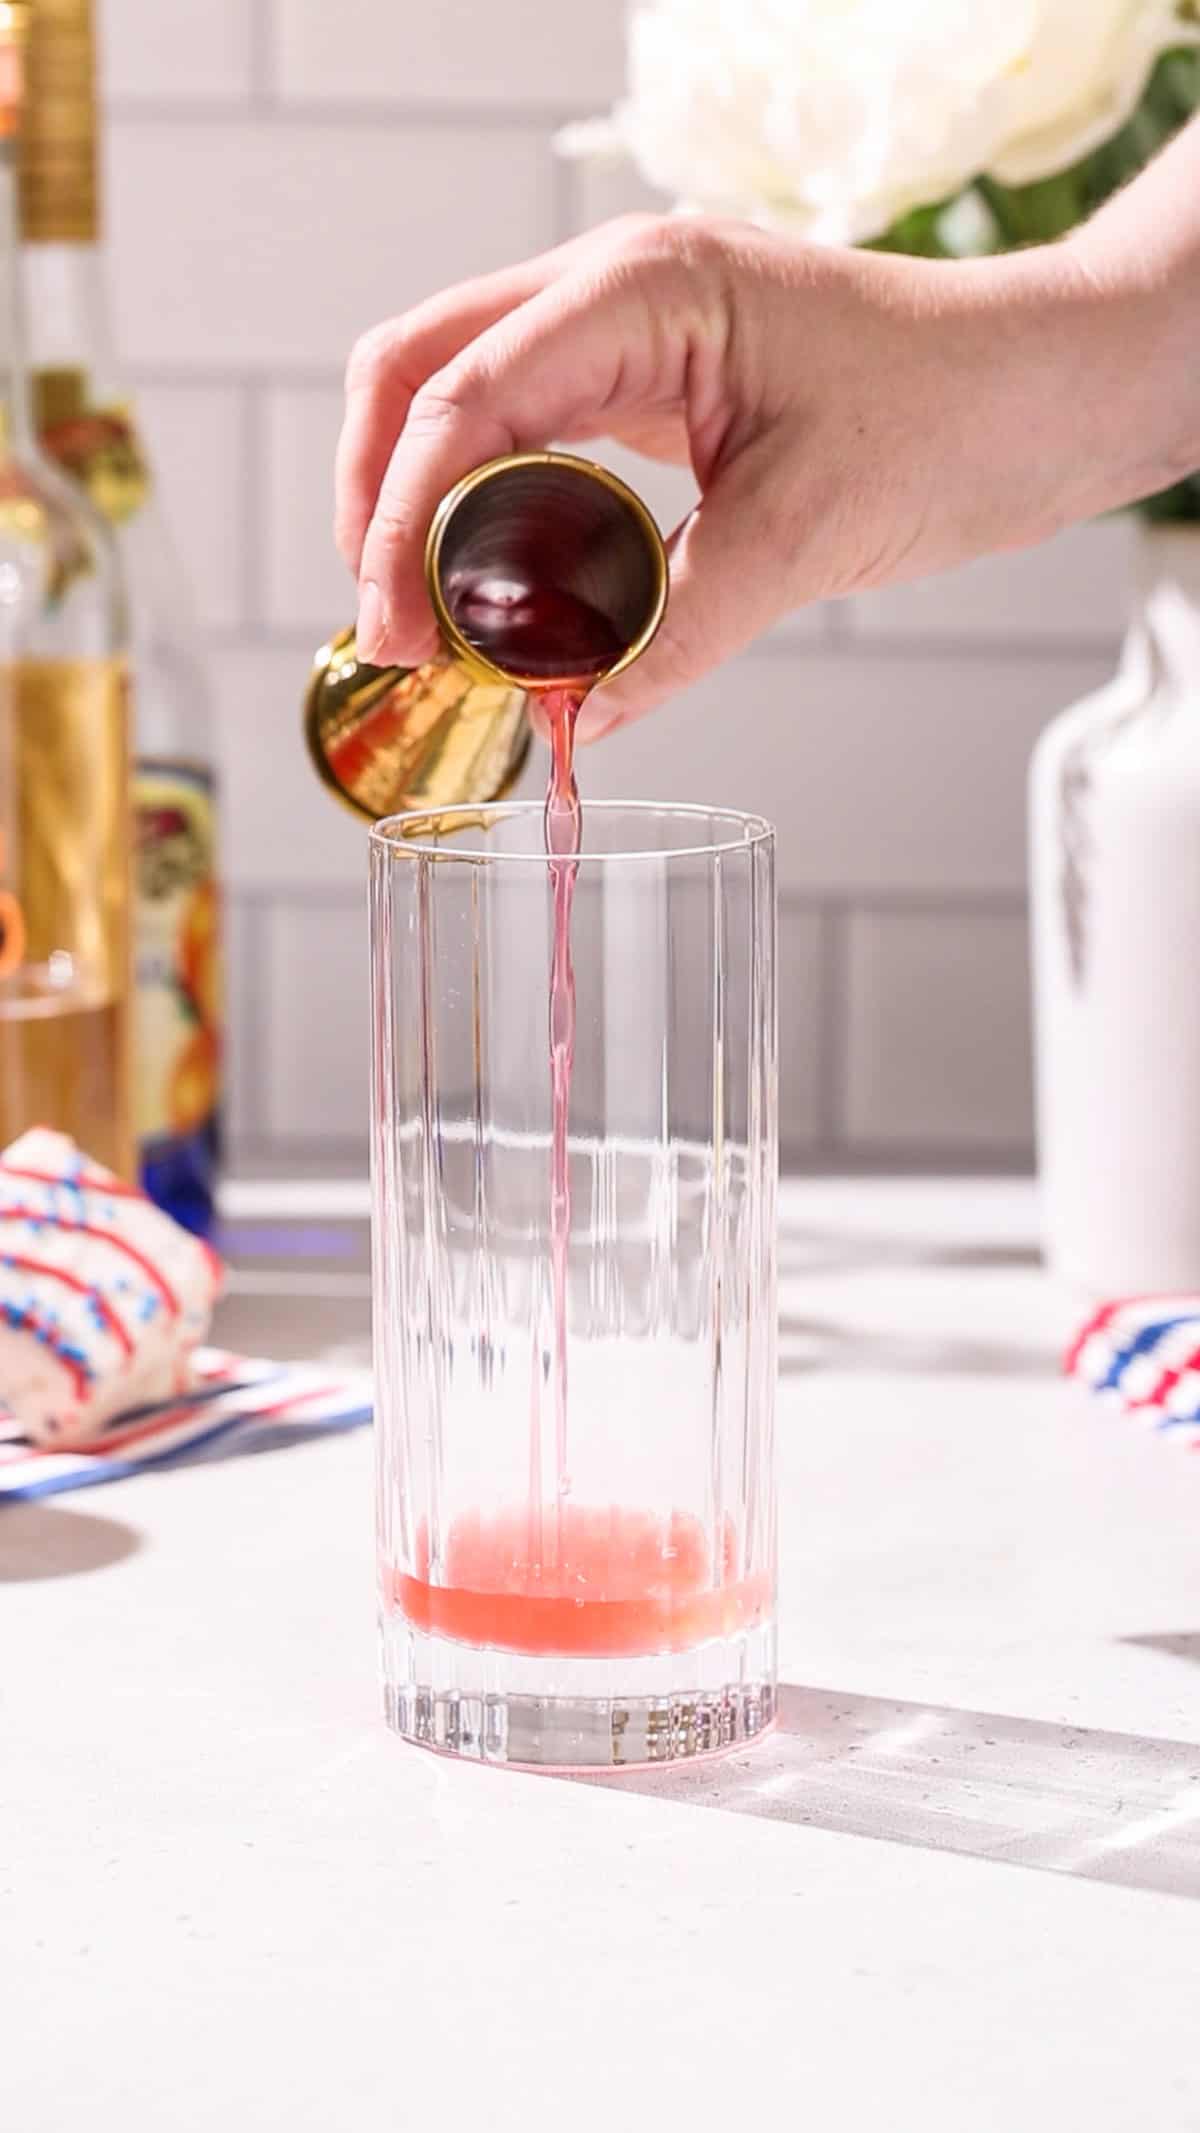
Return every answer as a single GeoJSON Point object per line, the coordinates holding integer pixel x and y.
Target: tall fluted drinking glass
{"type": "Point", "coordinates": [575, 1361]}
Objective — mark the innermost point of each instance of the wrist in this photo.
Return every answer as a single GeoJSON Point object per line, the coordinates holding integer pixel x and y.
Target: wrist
{"type": "Point", "coordinates": [1142, 270]}
{"type": "Point", "coordinates": [1103, 370]}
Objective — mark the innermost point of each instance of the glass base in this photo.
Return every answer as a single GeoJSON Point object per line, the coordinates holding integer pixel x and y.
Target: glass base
{"type": "Point", "coordinates": [578, 1714]}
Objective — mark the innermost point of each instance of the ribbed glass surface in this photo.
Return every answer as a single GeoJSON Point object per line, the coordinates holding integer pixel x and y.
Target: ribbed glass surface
{"type": "Point", "coordinates": [576, 1543]}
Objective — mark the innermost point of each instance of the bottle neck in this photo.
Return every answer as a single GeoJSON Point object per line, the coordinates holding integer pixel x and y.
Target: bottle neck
{"type": "Point", "coordinates": [59, 211]}
{"type": "Point", "coordinates": [68, 315]}
{"type": "Point", "coordinates": [1169, 554]}
{"type": "Point", "coordinates": [1167, 622]}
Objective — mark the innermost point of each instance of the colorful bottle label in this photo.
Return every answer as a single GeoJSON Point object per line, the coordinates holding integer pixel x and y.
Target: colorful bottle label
{"type": "Point", "coordinates": [179, 993]}
{"type": "Point", "coordinates": [98, 447]}
{"type": "Point", "coordinates": [178, 1013]}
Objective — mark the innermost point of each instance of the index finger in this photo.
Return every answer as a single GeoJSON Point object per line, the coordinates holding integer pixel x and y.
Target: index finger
{"type": "Point", "coordinates": [389, 365]}
{"type": "Point", "coordinates": [559, 366]}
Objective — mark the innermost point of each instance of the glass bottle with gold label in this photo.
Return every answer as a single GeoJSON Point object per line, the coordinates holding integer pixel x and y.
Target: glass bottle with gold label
{"type": "Point", "coordinates": [65, 818]}
{"type": "Point", "coordinates": [85, 420]}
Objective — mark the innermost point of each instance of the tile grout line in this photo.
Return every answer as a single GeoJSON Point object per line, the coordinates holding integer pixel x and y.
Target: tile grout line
{"type": "Point", "coordinates": [896, 901]}
{"type": "Point", "coordinates": [296, 1148]}
{"type": "Point", "coordinates": [901, 647]}
{"type": "Point", "coordinates": [931, 1159]}
{"type": "Point", "coordinates": [216, 377]}
{"type": "Point", "coordinates": [902, 903]}
{"type": "Point", "coordinates": [301, 895]}
{"type": "Point", "coordinates": [1015, 654]}
{"type": "Point", "coordinates": [262, 54]}
{"type": "Point", "coordinates": [246, 1014]}
{"type": "Point", "coordinates": [254, 486]}
{"type": "Point", "coordinates": [263, 106]}
{"type": "Point", "coordinates": [564, 195]}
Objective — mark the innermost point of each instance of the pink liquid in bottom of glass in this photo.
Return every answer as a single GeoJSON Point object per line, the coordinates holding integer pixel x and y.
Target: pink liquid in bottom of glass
{"type": "Point", "coordinates": [623, 1583]}
{"type": "Point", "coordinates": [551, 1577]}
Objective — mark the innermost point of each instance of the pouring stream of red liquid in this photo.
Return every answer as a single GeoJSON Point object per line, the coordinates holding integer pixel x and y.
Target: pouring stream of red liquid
{"type": "Point", "coordinates": [536, 631]}
{"type": "Point", "coordinates": [622, 1580]}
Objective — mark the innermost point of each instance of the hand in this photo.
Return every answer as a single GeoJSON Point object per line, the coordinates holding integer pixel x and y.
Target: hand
{"type": "Point", "coordinates": [851, 418]}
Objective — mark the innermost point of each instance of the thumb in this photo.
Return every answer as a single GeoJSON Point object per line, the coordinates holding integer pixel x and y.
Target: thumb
{"type": "Point", "coordinates": [551, 368]}
{"type": "Point", "coordinates": [733, 573]}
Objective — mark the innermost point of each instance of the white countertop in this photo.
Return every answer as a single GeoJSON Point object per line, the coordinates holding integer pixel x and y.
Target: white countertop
{"type": "Point", "coordinates": [229, 1899]}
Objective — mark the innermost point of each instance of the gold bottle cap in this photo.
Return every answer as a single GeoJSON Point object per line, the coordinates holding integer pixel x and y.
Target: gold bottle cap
{"type": "Point", "coordinates": [59, 194]}
{"type": "Point", "coordinates": [388, 740]}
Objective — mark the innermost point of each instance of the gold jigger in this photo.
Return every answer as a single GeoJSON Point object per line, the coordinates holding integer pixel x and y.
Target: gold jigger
{"type": "Point", "coordinates": [544, 571]}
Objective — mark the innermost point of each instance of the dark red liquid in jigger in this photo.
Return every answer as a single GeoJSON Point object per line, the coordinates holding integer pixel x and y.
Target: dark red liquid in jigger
{"type": "Point", "coordinates": [546, 631]}
{"type": "Point", "coordinates": [537, 631]}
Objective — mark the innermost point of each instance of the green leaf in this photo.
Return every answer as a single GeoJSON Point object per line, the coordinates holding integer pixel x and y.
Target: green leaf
{"type": "Point", "coordinates": [917, 233]}
{"type": "Point", "coordinates": [1179, 505]}
{"type": "Point", "coordinates": [1036, 214]}
{"type": "Point", "coordinates": [1050, 207]}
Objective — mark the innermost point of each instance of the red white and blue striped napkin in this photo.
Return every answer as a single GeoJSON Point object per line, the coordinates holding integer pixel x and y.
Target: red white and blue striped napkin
{"type": "Point", "coordinates": [237, 1404]}
{"type": "Point", "coordinates": [1141, 1355]}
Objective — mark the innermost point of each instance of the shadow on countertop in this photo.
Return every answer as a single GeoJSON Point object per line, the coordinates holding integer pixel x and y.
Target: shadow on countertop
{"type": "Point", "coordinates": [43, 1540]}
{"type": "Point", "coordinates": [1173, 1643]}
{"type": "Point", "coordinates": [1108, 1807]}
{"type": "Point", "coordinates": [815, 1251]}
{"type": "Point", "coordinates": [827, 1346]}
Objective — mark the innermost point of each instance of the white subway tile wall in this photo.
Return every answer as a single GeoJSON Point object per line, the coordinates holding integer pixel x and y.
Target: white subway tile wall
{"type": "Point", "coordinates": [266, 242]}
{"type": "Point", "coordinates": [194, 51]}
{"type": "Point", "coordinates": [304, 578]}
{"type": "Point", "coordinates": [312, 962]}
{"type": "Point", "coordinates": [458, 55]}
{"type": "Point", "coordinates": [281, 174]}
{"type": "Point", "coordinates": [959, 1080]}
{"type": "Point", "coordinates": [199, 436]}
{"type": "Point", "coordinates": [885, 772]}
{"type": "Point", "coordinates": [282, 831]}
{"type": "Point", "coordinates": [1068, 591]}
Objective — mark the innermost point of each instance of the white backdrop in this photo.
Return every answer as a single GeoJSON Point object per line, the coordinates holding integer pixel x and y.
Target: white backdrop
{"type": "Point", "coordinates": [284, 172]}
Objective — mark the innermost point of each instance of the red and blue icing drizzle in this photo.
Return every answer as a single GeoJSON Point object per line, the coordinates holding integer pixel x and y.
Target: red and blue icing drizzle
{"type": "Point", "coordinates": [88, 1265]}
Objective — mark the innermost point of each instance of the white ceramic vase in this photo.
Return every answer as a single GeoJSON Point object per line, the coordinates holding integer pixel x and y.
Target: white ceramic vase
{"type": "Point", "coordinates": [1115, 887]}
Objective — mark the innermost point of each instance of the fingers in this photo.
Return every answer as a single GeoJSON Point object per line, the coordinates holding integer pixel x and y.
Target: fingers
{"type": "Point", "coordinates": [391, 363]}
{"type": "Point", "coordinates": [733, 573]}
{"type": "Point", "coordinates": [560, 362]}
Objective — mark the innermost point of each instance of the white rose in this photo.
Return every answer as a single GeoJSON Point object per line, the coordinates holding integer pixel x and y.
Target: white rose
{"type": "Point", "coordinates": [831, 118]}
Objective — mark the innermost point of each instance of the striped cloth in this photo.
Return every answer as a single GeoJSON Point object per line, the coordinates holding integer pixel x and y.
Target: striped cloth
{"type": "Point", "coordinates": [237, 1404]}
{"type": "Point", "coordinates": [1141, 1355]}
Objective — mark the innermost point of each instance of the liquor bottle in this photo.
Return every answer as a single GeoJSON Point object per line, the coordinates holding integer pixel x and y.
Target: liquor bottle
{"type": "Point", "coordinates": [65, 816]}
{"type": "Point", "coordinates": [86, 422]}
{"type": "Point", "coordinates": [1115, 907]}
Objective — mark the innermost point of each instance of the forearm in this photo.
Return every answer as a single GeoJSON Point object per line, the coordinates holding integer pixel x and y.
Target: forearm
{"type": "Point", "coordinates": [1150, 231]}
{"type": "Point", "coordinates": [853, 417]}
{"type": "Point", "coordinates": [1140, 256]}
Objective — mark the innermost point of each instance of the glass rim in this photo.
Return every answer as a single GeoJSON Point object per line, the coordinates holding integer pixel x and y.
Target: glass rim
{"type": "Point", "coordinates": [391, 836]}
